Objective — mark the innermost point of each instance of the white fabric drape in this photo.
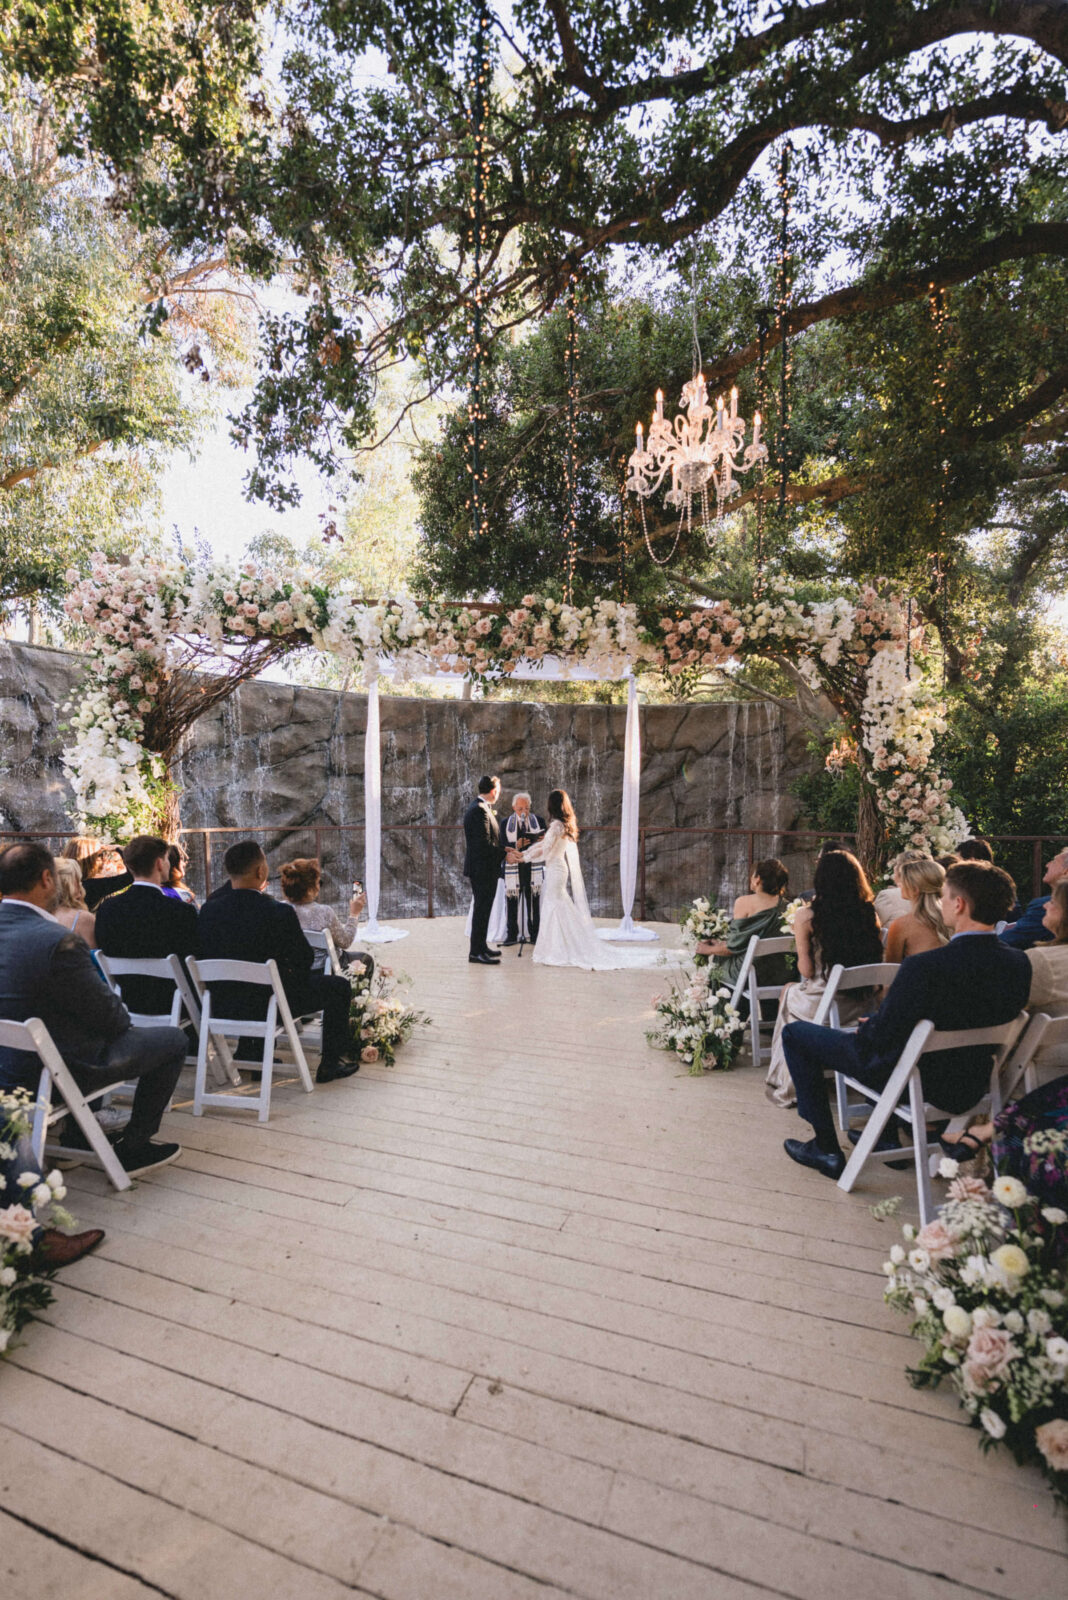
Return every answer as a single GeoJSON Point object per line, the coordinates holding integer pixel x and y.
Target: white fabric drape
{"type": "Point", "coordinates": [374, 932]}
{"type": "Point", "coordinates": [628, 832]}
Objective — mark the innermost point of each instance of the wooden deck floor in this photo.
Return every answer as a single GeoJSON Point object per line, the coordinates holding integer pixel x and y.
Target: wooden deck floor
{"type": "Point", "coordinates": [530, 1315]}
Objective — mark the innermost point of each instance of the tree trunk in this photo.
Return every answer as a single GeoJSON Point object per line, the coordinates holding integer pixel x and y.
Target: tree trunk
{"type": "Point", "coordinates": [171, 816]}
{"type": "Point", "coordinates": [871, 830]}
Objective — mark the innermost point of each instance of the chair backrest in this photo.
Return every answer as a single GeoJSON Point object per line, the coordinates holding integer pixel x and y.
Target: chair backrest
{"type": "Point", "coordinates": [324, 941]}
{"type": "Point", "coordinates": [219, 971]}
{"type": "Point", "coordinates": [32, 1037]}
{"type": "Point", "coordinates": [741, 982]}
{"type": "Point", "coordinates": [840, 980]}
{"type": "Point", "coordinates": [781, 945]}
{"type": "Point", "coordinates": [1043, 1033]}
{"type": "Point", "coordinates": [165, 967]}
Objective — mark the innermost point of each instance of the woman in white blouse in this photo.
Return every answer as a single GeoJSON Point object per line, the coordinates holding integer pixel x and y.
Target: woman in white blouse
{"type": "Point", "coordinates": [302, 880]}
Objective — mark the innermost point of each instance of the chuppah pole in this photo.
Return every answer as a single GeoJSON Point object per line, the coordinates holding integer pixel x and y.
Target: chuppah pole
{"type": "Point", "coordinates": [628, 830]}
{"type": "Point", "coordinates": [374, 932]}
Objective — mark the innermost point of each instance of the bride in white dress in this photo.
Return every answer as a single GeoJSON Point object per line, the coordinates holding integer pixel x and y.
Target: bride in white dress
{"type": "Point", "coordinates": [566, 934]}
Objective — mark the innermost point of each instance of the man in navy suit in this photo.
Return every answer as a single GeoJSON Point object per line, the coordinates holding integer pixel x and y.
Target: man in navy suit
{"type": "Point", "coordinates": [1030, 928]}
{"type": "Point", "coordinates": [142, 923]}
{"type": "Point", "coordinates": [483, 859]}
{"type": "Point", "coordinates": [248, 925]}
{"type": "Point", "coordinates": [975, 981]}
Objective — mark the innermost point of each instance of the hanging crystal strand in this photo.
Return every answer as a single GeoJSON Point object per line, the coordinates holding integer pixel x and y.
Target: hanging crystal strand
{"type": "Point", "coordinates": [623, 528]}
{"type": "Point", "coordinates": [762, 407]}
{"type": "Point", "coordinates": [476, 213]}
{"type": "Point", "coordinates": [570, 467]}
{"type": "Point", "coordinates": [785, 297]}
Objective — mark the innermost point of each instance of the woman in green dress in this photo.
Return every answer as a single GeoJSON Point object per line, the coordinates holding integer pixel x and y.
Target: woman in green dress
{"type": "Point", "coordinates": [759, 912]}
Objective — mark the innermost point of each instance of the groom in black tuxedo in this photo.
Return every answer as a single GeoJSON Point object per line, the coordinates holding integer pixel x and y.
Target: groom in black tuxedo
{"type": "Point", "coordinates": [483, 859]}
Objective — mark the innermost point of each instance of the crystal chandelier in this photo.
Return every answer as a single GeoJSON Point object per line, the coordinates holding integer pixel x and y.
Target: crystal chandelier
{"type": "Point", "coordinates": [701, 451]}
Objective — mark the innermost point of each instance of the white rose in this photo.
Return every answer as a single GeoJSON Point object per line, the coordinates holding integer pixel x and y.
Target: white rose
{"type": "Point", "coordinates": [919, 1260]}
{"type": "Point", "coordinates": [992, 1423]}
{"type": "Point", "coordinates": [1055, 1216]}
{"type": "Point", "coordinates": [7, 1277]}
{"type": "Point", "coordinates": [943, 1298]}
{"type": "Point", "coordinates": [948, 1168]}
{"type": "Point", "coordinates": [897, 1254]}
{"type": "Point", "coordinates": [26, 1180]}
{"type": "Point", "coordinates": [1039, 1321]}
{"type": "Point", "coordinates": [920, 1306]}
{"type": "Point", "coordinates": [1057, 1351]}
{"type": "Point", "coordinates": [1014, 1322]}
{"type": "Point", "coordinates": [42, 1195]}
{"type": "Point", "coordinates": [986, 1317]}
{"type": "Point", "coordinates": [958, 1322]}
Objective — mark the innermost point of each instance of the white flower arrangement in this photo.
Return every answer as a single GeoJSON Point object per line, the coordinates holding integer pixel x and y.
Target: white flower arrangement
{"type": "Point", "coordinates": [30, 1201]}
{"type": "Point", "coordinates": [701, 923]}
{"type": "Point", "coordinates": [985, 1286]}
{"type": "Point", "coordinates": [150, 619]}
{"type": "Point", "coordinates": [698, 1022]}
{"type": "Point", "coordinates": [789, 913]}
{"type": "Point", "coordinates": [379, 1021]}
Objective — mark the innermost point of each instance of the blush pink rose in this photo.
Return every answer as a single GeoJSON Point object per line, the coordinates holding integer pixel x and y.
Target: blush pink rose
{"type": "Point", "coordinates": [987, 1358]}
{"type": "Point", "coordinates": [968, 1189]}
{"type": "Point", "coordinates": [369, 1053]}
{"type": "Point", "coordinates": [936, 1239]}
{"type": "Point", "coordinates": [17, 1225]}
{"type": "Point", "coordinates": [1052, 1440]}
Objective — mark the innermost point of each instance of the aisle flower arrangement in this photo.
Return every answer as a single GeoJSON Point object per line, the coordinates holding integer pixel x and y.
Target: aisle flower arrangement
{"type": "Point", "coordinates": [151, 625]}
{"type": "Point", "coordinates": [31, 1201]}
{"type": "Point", "coordinates": [789, 913]}
{"type": "Point", "coordinates": [986, 1287]}
{"type": "Point", "coordinates": [698, 1023]}
{"type": "Point", "coordinates": [701, 923]}
{"type": "Point", "coordinates": [379, 1020]}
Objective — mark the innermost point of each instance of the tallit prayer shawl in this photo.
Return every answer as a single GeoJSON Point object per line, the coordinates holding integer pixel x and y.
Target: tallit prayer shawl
{"type": "Point", "coordinates": [516, 828]}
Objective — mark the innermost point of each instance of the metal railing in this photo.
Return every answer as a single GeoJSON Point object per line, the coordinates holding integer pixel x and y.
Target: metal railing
{"type": "Point", "coordinates": [422, 863]}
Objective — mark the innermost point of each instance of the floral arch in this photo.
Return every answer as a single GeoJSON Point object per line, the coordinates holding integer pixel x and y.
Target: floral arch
{"type": "Point", "coordinates": [169, 641]}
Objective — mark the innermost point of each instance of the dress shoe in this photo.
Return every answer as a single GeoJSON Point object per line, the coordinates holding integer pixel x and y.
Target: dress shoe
{"type": "Point", "coordinates": [485, 961]}
{"type": "Point", "coordinates": [508, 943]}
{"type": "Point", "coordinates": [331, 1071]}
{"type": "Point", "coordinates": [887, 1140]}
{"type": "Point", "coordinates": [55, 1249]}
{"type": "Point", "coordinates": [490, 951]}
{"type": "Point", "coordinates": [807, 1153]}
{"type": "Point", "coordinates": [136, 1159]}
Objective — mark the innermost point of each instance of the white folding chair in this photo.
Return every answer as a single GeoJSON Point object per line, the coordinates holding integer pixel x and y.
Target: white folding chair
{"type": "Point", "coordinates": [840, 980]}
{"type": "Point", "coordinates": [764, 991]}
{"type": "Point", "coordinates": [184, 1000]}
{"type": "Point", "coordinates": [324, 942]}
{"type": "Point", "coordinates": [1042, 1048]}
{"type": "Point", "coordinates": [905, 1078]}
{"type": "Point", "coordinates": [33, 1037]}
{"type": "Point", "coordinates": [741, 982]}
{"type": "Point", "coordinates": [278, 1022]}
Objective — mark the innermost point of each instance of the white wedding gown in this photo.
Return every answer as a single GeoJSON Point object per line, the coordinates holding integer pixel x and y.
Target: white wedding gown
{"type": "Point", "coordinates": [566, 934]}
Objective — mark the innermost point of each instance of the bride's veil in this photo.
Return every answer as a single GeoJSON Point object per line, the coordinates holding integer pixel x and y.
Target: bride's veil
{"type": "Point", "coordinates": [578, 887]}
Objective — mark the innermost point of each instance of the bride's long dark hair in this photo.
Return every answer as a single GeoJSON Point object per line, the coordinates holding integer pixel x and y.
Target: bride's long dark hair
{"type": "Point", "coordinates": [561, 809]}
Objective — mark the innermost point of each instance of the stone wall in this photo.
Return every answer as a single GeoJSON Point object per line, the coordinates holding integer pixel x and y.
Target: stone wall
{"type": "Point", "coordinates": [289, 761]}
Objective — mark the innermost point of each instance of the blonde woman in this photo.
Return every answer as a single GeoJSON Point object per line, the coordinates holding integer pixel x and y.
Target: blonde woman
{"type": "Point", "coordinates": [921, 927]}
{"type": "Point", "coordinates": [72, 910]}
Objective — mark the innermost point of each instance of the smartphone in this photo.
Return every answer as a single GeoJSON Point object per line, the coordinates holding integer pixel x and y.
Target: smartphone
{"type": "Point", "coordinates": [357, 887]}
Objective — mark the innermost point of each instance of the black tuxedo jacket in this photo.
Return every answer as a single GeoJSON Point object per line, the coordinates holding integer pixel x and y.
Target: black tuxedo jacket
{"type": "Point", "coordinates": [146, 924]}
{"type": "Point", "coordinates": [484, 852]}
{"type": "Point", "coordinates": [47, 972]}
{"type": "Point", "coordinates": [975, 981]}
{"type": "Point", "coordinates": [247, 926]}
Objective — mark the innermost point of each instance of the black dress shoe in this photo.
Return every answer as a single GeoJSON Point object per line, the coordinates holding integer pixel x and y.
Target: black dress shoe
{"type": "Point", "coordinates": [330, 1071]}
{"type": "Point", "coordinates": [887, 1140]}
{"type": "Point", "coordinates": [508, 943]}
{"type": "Point", "coordinates": [485, 961]}
{"type": "Point", "coordinates": [807, 1153]}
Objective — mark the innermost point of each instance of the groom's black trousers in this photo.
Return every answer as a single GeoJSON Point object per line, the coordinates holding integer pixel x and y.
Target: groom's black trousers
{"type": "Point", "coordinates": [484, 890]}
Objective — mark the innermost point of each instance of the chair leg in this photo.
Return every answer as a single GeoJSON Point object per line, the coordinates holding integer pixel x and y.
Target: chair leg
{"type": "Point", "coordinates": [881, 1112]}
{"type": "Point", "coordinates": [924, 1192]}
{"type": "Point", "coordinates": [264, 1103]}
{"type": "Point", "coordinates": [41, 1110]}
{"type": "Point", "coordinates": [841, 1094]}
{"type": "Point", "coordinates": [203, 1046]}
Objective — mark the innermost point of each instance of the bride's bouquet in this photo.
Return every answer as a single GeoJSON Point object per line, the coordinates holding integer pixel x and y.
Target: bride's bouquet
{"type": "Point", "coordinates": [698, 1022]}
{"type": "Point", "coordinates": [379, 1021]}
{"type": "Point", "coordinates": [790, 912]}
{"type": "Point", "coordinates": [703, 921]}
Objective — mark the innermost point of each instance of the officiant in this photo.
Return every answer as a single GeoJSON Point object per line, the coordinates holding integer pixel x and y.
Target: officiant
{"type": "Point", "coordinates": [522, 879]}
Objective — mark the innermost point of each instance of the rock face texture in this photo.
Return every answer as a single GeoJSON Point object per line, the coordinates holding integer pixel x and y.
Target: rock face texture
{"type": "Point", "coordinates": [287, 764]}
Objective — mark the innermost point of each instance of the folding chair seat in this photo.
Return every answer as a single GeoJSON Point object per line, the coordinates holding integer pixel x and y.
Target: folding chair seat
{"type": "Point", "coordinates": [184, 1002]}
{"type": "Point", "coordinates": [842, 980]}
{"type": "Point", "coordinates": [277, 1025]}
{"type": "Point", "coordinates": [758, 948]}
{"type": "Point", "coordinates": [1041, 1052]}
{"type": "Point", "coordinates": [56, 1079]}
{"type": "Point", "coordinates": [905, 1080]}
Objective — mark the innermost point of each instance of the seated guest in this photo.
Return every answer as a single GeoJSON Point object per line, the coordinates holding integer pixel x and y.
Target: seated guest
{"type": "Point", "coordinates": [758, 913]}
{"type": "Point", "coordinates": [1031, 929]}
{"type": "Point", "coordinates": [1041, 1165]}
{"type": "Point", "coordinates": [144, 925]}
{"type": "Point", "coordinates": [890, 902]}
{"type": "Point", "coordinates": [947, 861]}
{"type": "Point", "coordinates": [47, 972]}
{"type": "Point", "coordinates": [1049, 961]}
{"type": "Point", "coordinates": [72, 910]}
{"type": "Point", "coordinates": [302, 880]}
{"type": "Point", "coordinates": [176, 887]}
{"type": "Point", "coordinates": [839, 925]}
{"type": "Point", "coordinates": [101, 866]}
{"type": "Point", "coordinates": [920, 927]}
{"type": "Point", "coordinates": [248, 925]}
{"type": "Point", "coordinates": [975, 850]}
{"type": "Point", "coordinates": [975, 981]}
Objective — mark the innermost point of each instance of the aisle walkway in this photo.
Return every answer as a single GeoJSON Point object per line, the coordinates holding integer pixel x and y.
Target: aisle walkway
{"type": "Point", "coordinates": [530, 1315]}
